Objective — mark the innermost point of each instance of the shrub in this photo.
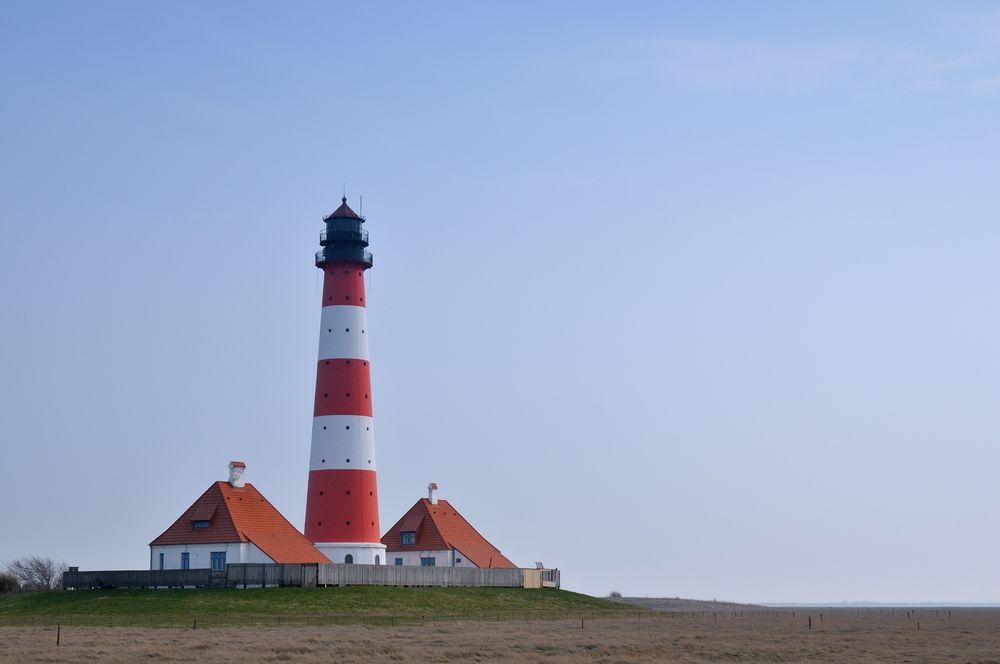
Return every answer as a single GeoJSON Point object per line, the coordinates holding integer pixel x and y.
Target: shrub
{"type": "Point", "coordinates": [36, 573]}
{"type": "Point", "coordinates": [9, 584]}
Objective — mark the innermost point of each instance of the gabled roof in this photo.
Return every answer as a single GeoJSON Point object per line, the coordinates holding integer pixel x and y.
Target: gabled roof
{"type": "Point", "coordinates": [440, 527]}
{"type": "Point", "coordinates": [241, 515]}
{"type": "Point", "coordinates": [343, 212]}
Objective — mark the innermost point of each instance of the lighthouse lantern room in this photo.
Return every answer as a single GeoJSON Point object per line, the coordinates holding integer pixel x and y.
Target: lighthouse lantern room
{"type": "Point", "coordinates": [342, 503]}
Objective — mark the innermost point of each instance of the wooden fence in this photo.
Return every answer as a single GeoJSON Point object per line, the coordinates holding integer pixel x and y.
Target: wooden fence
{"type": "Point", "coordinates": [249, 575]}
{"type": "Point", "coordinates": [400, 575]}
{"type": "Point", "coordinates": [145, 578]}
{"type": "Point", "coordinates": [246, 575]}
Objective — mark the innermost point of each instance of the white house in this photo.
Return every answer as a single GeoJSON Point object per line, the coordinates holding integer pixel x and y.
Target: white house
{"type": "Point", "coordinates": [231, 523]}
{"type": "Point", "coordinates": [433, 534]}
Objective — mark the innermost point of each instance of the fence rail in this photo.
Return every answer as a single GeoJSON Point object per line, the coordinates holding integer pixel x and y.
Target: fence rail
{"type": "Point", "coordinates": [306, 575]}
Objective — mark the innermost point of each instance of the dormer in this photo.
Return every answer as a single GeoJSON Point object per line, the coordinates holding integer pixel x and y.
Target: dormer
{"type": "Point", "coordinates": [202, 516]}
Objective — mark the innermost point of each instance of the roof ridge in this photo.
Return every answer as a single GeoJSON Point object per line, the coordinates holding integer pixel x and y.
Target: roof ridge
{"type": "Point", "coordinates": [433, 524]}
{"type": "Point", "coordinates": [276, 510]}
{"type": "Point", "coordinates": [221, 499]}
{"type": "Point", "coordinates": [472, 527]}
{"type": "Point", "coordinates": [447, 538]}
{"type": "Point", "coordinates": [241, 527]}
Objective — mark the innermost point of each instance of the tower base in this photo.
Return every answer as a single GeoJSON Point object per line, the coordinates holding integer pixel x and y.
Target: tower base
{"type": "Point", "coordinates": [361, 553]}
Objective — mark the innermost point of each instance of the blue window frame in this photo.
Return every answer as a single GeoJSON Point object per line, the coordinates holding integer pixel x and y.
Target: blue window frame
{"type": "Point", "coordinates": [427, 562]}
{"type": "Point", "coordinates": [161, 561]}
{"type": "Point", "coordinates": [218, 561]}
{"type": "Point", "coordinates": [399, 562]}
{"type": "Point", "coordinates": [408, 537]}
{"type": "Point", "coordinates": [185, 560]}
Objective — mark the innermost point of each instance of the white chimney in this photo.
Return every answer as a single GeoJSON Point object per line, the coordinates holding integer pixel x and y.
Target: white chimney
{"type": "Point", "coordinates": [236, 471]}
{"type": "Point", "coordinates": [432, 489]}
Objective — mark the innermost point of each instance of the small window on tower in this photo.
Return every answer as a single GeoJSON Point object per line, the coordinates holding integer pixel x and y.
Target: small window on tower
{"type": "Point", "coordinates": [408, 537]}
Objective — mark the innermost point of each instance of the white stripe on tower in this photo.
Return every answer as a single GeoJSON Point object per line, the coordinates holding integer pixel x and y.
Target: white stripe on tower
{"type": "Point", "coordinates": [345, 442]}
{"type": "Point", "coordinates": [343, 333]}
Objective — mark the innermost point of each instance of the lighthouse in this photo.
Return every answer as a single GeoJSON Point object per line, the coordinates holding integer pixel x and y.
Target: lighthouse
{"type": "Point", "coordinates": [342, 505]}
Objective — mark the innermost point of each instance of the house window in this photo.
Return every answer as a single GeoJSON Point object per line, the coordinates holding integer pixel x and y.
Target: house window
{"type": "Point", "coordinates": [161, 561]}
{"type": "Point", "coordinates": [408, 537]}
{"type": "Point", "coordinates": [378, 561]}
{"type": "Point", "coordinates": [348, 559]}
{"type": "Point", "coordinates": [200, 523]}
{"type": "Point", "coordinates": [399, 562]}
{"type": "Point", "coordinates": [458, 560]}
{"type": "Point", "coordinates": [185, 560]}
{"type": "Point", "coordinates": [427, 562]}
{"type": "Point", "coordinates": [218, 561]}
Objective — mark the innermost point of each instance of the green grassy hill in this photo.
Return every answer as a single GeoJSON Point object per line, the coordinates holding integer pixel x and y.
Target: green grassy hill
{"type": "Point", "coordinates": [297, 606]}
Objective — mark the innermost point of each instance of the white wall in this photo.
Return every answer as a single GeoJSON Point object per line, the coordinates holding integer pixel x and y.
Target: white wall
{"type": "Point", "coordinates": [363, 554]}
{"type": "Point", "coordinates": [443, 558]}
{"type": "Point", "coordinates": [201, 554]}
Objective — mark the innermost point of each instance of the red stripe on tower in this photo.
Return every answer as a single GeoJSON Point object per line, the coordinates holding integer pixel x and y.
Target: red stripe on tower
{"type": "Point", "coordinates": [342, 503]}
{"type": "Point", "coordinates": [343, 387]}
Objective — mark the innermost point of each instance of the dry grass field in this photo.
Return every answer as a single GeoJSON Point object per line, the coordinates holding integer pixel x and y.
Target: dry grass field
{"type": "Point", "coordinates": [844, 635]}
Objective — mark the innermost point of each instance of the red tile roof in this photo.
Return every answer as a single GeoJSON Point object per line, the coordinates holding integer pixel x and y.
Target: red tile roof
{"type": "Point", "coordinates": [441, 527]}
{"type": "Point", "coordinates": [241, 515]}
{"type": "Point", "coordinates": [343, 212]}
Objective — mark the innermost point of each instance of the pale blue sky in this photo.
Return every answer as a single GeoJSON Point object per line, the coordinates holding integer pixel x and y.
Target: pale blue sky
{"type": "Point", "coordinates": [686, 300]}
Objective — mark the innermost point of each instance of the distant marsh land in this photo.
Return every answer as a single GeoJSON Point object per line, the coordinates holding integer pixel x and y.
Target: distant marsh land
{"type": "Point", "coordinates": [844, 635]}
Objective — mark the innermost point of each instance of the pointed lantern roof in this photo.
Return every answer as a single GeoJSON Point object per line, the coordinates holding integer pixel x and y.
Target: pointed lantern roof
{"type": "Point", "coordinates": [343, 212]}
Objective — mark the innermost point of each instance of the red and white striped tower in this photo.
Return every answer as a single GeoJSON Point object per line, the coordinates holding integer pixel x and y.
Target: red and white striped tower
{"type": "Point", "coordinates": [342, 505]}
